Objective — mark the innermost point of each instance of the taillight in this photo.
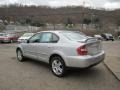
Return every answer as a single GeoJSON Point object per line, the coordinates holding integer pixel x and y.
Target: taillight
{"type": "Point", "coordinates": [82, 50]}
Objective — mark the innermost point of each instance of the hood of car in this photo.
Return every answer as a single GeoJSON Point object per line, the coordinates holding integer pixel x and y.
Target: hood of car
{"type": "Point", "coordinates": [24, 37]}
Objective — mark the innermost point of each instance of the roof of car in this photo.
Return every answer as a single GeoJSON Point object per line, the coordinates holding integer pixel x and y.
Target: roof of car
{"type": "Point", "coordinates": [57, 31]}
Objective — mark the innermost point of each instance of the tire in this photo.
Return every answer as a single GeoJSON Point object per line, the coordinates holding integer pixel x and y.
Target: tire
{"type": "Point", "coordinates": [11, 41]}
{"type": "Point", "coordinates": [107, 39]}
{"type": "Point", "coordinates": [58, 67]}
{"type": "Point", "coordinates": [20, 56]}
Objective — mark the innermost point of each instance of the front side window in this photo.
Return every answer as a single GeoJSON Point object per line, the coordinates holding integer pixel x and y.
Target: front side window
{"type": "Point", "coordinates": [35, 38]}
{"type": "Point", "coordinates": [46, 38]}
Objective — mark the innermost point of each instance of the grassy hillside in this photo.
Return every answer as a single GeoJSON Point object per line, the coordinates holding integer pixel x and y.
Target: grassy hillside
{"type": "Point", "coordinates": [107, 20]}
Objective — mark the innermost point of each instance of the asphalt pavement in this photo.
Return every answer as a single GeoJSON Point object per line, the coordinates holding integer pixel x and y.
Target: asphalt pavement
{"type": "Point", "coordinates": [112, 60]}
{"type": "Point", "coordinates": [34, 75]}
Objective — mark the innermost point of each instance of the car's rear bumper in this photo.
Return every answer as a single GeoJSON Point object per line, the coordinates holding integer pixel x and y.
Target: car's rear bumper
{"type": "Point", "coordinates": [84, 61]}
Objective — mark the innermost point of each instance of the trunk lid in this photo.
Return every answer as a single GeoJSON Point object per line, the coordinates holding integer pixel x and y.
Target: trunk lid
{"type": "Point", "coordinates": [94, 48]}
{"type": "Point", "coordinates": [93, 45]}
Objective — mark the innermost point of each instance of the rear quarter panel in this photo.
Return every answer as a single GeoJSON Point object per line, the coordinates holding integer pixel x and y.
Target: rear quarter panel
{"type": "Point", "coordinates": [65, 50]}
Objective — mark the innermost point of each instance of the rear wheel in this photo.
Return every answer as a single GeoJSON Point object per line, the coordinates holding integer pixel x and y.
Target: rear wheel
{"type": "Point", "coordinates": [20, 56]}
{"type": "Point", "coordinates": [58, 66]}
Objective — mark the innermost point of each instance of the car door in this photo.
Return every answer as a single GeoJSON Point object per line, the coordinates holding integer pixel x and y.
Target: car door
{"type": "Point", "coordinates": [46, 46]}
{"type": "Point", "coordinates": [30, 48]}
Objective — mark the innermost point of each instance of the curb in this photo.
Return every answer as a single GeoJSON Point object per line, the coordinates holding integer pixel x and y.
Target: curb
{"type": "Point", "coordinates": [111, 71]}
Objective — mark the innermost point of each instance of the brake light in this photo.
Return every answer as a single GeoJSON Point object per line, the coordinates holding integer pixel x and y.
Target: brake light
{"type": "Point", "coordinates": [82, 50]}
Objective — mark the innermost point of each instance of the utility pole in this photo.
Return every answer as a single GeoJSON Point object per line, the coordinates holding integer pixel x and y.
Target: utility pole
{"type": "Point", "coordinates": [83, 13]}
{"type": "Point", "coordinates": [92, 18]}
{"type": "Point", "coordinates": [54, 25]}
{"type": "Point", "coordinates": [31, 20]}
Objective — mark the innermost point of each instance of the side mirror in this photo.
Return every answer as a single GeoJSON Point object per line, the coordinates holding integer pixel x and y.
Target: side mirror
{"type": "Point", "coordinates": [27, 41]}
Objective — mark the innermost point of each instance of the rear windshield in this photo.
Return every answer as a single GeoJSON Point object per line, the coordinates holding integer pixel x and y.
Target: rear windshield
{"type": "Point", "coordinates": [76, 36]}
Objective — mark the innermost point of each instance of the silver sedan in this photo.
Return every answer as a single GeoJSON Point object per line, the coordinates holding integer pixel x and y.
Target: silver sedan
{"type": "Point", "coordinates": [62, 49]}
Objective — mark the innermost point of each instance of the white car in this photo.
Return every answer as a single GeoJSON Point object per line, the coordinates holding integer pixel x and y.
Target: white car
{"type": "Point", "coordinates": [62, 49]}
{"type": "Point", "coordinates": [25, 37]}
{"type": "Point", "coordinates": [99, 37]}
{"type": "Point", "coordinates": [119, 37]}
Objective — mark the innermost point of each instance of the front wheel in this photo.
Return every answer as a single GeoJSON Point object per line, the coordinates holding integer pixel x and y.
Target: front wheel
{"type": "Point", "coordinates": [58, 66]}
{"type": "Point", "coordinates": [20, 55]}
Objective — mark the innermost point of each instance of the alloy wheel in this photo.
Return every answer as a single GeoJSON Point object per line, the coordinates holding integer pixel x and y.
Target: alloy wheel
{"type": "Point", "coordinates": [58, 66]}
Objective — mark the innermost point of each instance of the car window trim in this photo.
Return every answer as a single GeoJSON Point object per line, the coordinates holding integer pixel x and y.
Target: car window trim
{"type": "Point", "coordinates": [41, 35]}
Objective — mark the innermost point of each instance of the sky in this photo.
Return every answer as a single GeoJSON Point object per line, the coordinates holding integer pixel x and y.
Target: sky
{"type": "Point", "coordinates": [107, 4]}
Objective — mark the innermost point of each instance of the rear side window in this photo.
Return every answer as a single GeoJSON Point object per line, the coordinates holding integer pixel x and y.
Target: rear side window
{"type": "Point", "coordinates": [55, 38]}
{"type": "Point", "coordinates": [76, 36]}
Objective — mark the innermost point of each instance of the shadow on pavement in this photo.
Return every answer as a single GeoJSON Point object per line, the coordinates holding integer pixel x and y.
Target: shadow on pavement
{"type": "Point", "coordinates": [72, 72]}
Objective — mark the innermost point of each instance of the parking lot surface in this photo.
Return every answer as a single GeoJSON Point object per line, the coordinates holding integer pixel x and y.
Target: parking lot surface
{"type": "Point", "coordinates": [112, 60]}
{"type": "Point", "coordinates": [34, 75]}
